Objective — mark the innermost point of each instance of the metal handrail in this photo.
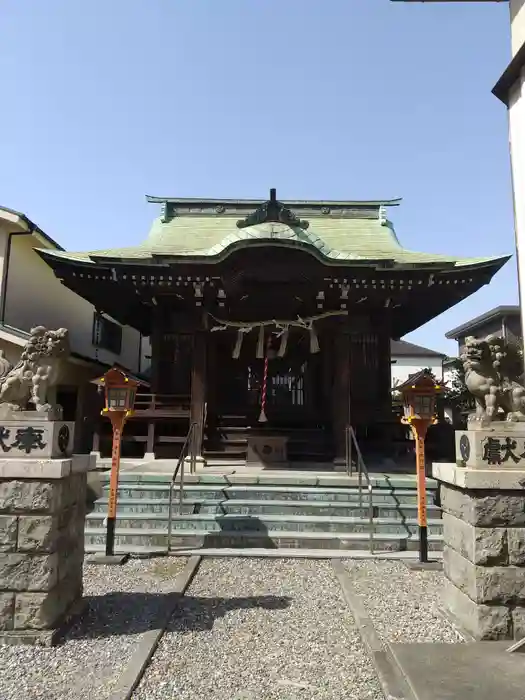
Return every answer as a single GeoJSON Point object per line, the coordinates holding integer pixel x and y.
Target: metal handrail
{"type": "Point", "coordinates": [188, 446]}
{"type": "Point", "coordinates": [361, 470]}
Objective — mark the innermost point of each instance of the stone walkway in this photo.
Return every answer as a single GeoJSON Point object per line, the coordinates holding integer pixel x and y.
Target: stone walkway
{"type": "Point", "coordinates": [260, 629]}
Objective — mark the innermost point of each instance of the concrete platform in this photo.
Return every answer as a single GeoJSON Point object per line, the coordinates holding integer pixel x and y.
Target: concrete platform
{"type": "Point", "coordinates": [318, 474]}
{"type": "Point", "coordinates": [476, 671]}
{"type": "Point", "coordinates": [235, 466]}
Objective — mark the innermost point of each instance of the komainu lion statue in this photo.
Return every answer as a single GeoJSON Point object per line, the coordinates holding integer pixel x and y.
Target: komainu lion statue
{"type": "Point", "coordinates": [494, 376]}
{"type": "Point", "coordinates": [37, 370]}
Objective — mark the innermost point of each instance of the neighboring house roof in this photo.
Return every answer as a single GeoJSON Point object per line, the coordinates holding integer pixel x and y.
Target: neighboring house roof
{"type": "Point", "coordinates": [450, 362]}
{"type": "Point", "coordinates": [498, 312]}
{"type": "Point", "coordinates": [402, 348]}
{"type": "Point", "coordinates": [206, 230]}
{"type": "Point", "coordinates": [20, 219]}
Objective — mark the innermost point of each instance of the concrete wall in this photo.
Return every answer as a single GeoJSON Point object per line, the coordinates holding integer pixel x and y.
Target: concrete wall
{"type": "Point", "coordinates": [404, 366]}
{"type": "Point", "coordinates": [34, 296]}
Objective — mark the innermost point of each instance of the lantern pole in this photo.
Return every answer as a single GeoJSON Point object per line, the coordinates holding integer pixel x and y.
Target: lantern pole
{"type": "Point", "coordinates": [117, 418]}
{"type": "Point", "coordinates": [120, 393]}
{"type": "Point", "coordinates": [420, 427]}
{"type": "Point", "coordinates": [419, 397]}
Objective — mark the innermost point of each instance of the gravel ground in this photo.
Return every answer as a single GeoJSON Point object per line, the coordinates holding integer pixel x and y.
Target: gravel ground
{"type": "Point", "coordinates": [261, 629]}
{"type": "Point", "coordinates": [403, 604]}
{"type": "Point", "coordinates": [122, 603]}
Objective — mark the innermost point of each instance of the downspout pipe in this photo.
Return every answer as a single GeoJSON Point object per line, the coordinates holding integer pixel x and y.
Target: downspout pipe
{"type": "Point", "coordinates": [5, 273]}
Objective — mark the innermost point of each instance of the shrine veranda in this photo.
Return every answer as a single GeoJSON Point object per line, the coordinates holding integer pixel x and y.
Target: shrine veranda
{"type": "Point", "coordinates": [268, 318]}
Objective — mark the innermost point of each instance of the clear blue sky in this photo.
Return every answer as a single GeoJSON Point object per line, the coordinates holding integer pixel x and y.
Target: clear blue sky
{"type": "Point", "coordinates": [107, 100]}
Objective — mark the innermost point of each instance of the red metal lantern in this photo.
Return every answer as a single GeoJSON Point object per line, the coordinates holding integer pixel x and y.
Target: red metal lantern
{"type": "Point", "coordinates": [119, 394]}
{"type": "Point", "coordinates": [419, 407]}
{"type": "Point", "coordinates": [419, 398]}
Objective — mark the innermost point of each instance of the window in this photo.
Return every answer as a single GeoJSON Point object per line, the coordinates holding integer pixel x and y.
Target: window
{"type": "Point", "coordinates": [107, 334]}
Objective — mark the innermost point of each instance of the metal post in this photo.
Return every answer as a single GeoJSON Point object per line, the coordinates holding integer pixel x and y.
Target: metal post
{"type": "Point", "coordinates": [181, 484]}
{"type": "Point", "coordinates": [194, 446]}
{"type": "Point", "coordinates": [350, 429]}
{"type": "Point", "coordinates": [359, 471]}
{"type": "Point", "coordinates": [370, 519]}
{"type": "Point", "coordinates": [117, 422]}
{"type": "Point", "coordinates": [347, 452]}
{"type": "Point", "coordinates": [170, 520]}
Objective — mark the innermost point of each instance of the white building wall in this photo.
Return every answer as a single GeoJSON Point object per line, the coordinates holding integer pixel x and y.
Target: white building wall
{"type": "Point", "coordinates": [517, 18]}
{"type": "Point", "coordinates": [517, 149]}
{"type": "Point", "coordinates": [406, 365]}
{"type": "Point", "coordinates": [34, 296]}
{"type": "Point", "coordinates": [449, 375]}
{"type": "Point", "coordinates": [517, 144]}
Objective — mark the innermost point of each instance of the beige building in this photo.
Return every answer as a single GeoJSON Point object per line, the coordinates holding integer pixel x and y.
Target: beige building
{"type": "Point", "coordinates": [408, 359]}
{"type": "Point", "coordinates": [31, 295]}
{"type": "Point", "coordinates": [510, 89]}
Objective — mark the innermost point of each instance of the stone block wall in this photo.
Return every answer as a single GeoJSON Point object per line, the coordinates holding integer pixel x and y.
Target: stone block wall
{"type": "Point", "coordinates": [41, 553]}
{"type": "Point", "coordinates": [484, 559]}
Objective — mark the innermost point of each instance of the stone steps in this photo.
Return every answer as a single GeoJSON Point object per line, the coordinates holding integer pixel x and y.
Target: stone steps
{"type": "Point", "coordinates": [382, 509]}
{"type": "Point", "coordinates": [141, 541]}
{"type": "Point", "coordinates": [263, 510]}
{"type": "Point", "coordinates": [264, 524]}
{"type": "Point", "coordinates": [152, 491]}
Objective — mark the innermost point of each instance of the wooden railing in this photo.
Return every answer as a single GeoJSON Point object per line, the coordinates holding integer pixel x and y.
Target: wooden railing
{"type": "Point", "coordinates": [161, 405]}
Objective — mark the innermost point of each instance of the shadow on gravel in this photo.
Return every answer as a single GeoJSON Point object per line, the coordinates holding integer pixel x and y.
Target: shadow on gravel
{"type": "Point", "coordinates": [117, 614]}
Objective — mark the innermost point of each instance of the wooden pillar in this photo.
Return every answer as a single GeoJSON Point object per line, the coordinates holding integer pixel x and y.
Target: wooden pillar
{"type": "Point", "coordinates": [81, 419]}
{"type": "Point", "coordinates": [150, 443]}
{"type": "Point", "coordinates": [384, 384]}
{"type": "Point", "coordinates": [212, 376]}
{"type": "Point", "coordinates": [91, 426]}
{"type": "Point", "coordinates": [327, 374]}
{"type": "Point", "coordinates": [370, 380]}
{"type": "Point", "coordinates": [158, 331]}
{"type": "Point", "coordinates": [341, 392]}
{"type": "Point", "coordinates": [198, 388]}
{"type": "Point", "coordinates": [96, 439]}
{"type": "Point", "coordinates": [364, 377]}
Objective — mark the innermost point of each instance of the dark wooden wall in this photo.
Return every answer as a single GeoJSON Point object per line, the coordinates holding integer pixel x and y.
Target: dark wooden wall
{"type": "Point", "coordinates": [354, 368]}
{"type": "Point", "coordinates": [370, 375]}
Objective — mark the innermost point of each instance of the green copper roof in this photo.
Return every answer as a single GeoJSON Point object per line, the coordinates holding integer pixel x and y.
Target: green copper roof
{"type": "Point", "coordinates": [208, 230]}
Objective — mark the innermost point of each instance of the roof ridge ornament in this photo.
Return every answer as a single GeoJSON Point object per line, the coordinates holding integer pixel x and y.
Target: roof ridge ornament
{"type": "Point", "coordinates": [275, 212]}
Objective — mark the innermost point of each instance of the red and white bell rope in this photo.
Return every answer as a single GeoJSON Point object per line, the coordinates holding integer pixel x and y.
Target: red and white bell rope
{"type": "Point", "coordinates": [264, 388]}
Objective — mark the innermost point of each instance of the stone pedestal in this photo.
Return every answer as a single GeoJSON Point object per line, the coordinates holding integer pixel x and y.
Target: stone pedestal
{"type": "Point", "coordinates": [34, 435]}
{"type": "Point", "coordinates": [42, 513]}
{"type": "Point", "coordinates": [264, 450]}
{"type": "Point", "coordinates": [500, 444]}
{"type": "Point", "coordinates": [484, 541]}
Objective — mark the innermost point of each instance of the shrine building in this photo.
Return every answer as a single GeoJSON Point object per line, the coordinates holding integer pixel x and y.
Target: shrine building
{"type": "Point", "coordinates": [268, 316]}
